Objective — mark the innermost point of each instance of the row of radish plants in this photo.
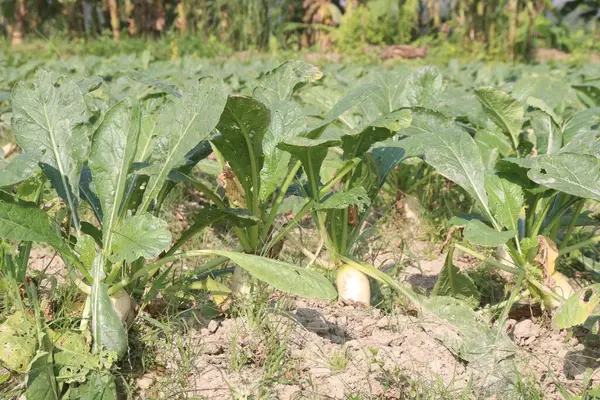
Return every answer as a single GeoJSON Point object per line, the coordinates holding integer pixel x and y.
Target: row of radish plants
{"type": "Point", "coordinates": [90, 183]}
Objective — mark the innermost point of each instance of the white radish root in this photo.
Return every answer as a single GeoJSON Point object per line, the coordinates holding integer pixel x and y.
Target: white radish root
{"type": "Point", "coordinates": [353, 286]}
{"type": "Point", "coordinates": [124, 306]}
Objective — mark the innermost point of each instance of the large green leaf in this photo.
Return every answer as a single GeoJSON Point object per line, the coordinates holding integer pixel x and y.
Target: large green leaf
{"type": "Point", "coordinates": [353, 99]}
{"type": "Point", "coordinates": [142, 235]}
{"type": "Point", "coordinates": [98, 386]}
{"type": "Point", "coordinates": [582, 120]}
{"type": "Point", "coordinates": [280, 83]}
{"type": "Point", "coordinates": [584, 142]}
{"type": "Point", "coordinates": [26, 222]}
{"type": "Point", "coordinates": [424, 120]}
{"type": "Point", "coordinates": [41, 382]}
{"type": "Point", "coordinates": [356, 143]}
{"type": "Point", "coordinates": [113, 150]}
{"type": "Point", "coordinates": [503, 110]}
{"type": "Point", "coordinates": [483, 235]}
{"type": "Point", "coordinates": [310, 152]}
{"type": "Point", "coordinates": [542, 106]}
{"type": "Point", "coordinates": [454, 154]}
{"type": "Point", "coordinates": [548, 134]}
{"type": "Point", "coordinates": [452, 283]}
{"type": "Point", "coordinates": [572, 173]}
{"type": "Point", "coordinates": [18, 342]}
{"type": "Point", "coordinates": [282, 276]}
{"type": "Point", "coordinates": [505, 200]}
{"type": "Point", "coordinates": [108, 332]}
{"type": "Point", "coordinates": [387, 157]}
{"type": "Point", "coordinates": [424, 88]}
{"type": "Point", "coordinates": [488, 351]}
{"type": "Point", "coordinates": [242, 126]}
{"type": "Point", "coordinates": [151, 109]}
{"type": "Point", "coordinates": [287, 120]}
{"type": "Point", "coordinates": [48, 119]}
{"type": "Point", "coordinates": [20, 168]}
{"type": "Point", "coordinates": [183, 124]}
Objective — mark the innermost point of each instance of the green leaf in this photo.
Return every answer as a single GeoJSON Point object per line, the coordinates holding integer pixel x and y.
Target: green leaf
{"type": "Point", "coordinates": [287, 120]}
{"type": "Point", "coordinates": [25, 222]}
{"type": "Point", "coordinates": [452, 283]}
{"type": "Point", "coordinates": [142, 235]}
{"type": "Point", "coordinates": [357, 196]}
{"type": "Point", "coordinates": [310, 152]}
{"type": "Point", "coordinates": [547, 133]}
{"type": "Point", "coordinates": [572, 173]}
{"type": "Point", "coordinates": [151, 109]}
{"type": "Point", "coordinates": [211, 215]}
{"type": "Point", "coordinates": [353, 99]}
{"type": "Point", "coordinates": [590, 94]}
{"type": "Point", "coordinates": [113, 150]}
{"type": "Point", "coordinates": [424, 120]}
{"type": "Point", "coordinates": [183, 124]}
{"type": "Point", "coordinates": [541, 105]}
{"type": "Point", "coordinates": [108, 331]}
{"type": "Point", "coordinates": [282, 276]}
{"type": "Point", "coordinates": [18, 342]}
{"type": "Point", "coordinates": [86, 249]}
{"type": "Point", "coordinates": [387, 158]}
{"type": "Point", "coordinates": [87, 191]}
{"type": "Point", "coordinates": [155, 83]}
{"type": "Point", "coordinates": [503, 110]}
{"type": "Point", "coordinates": [494, 140]}
{"type": "Point", "coordinates": [582, 120]}
{"type": "Point", "coordinates": [41, 382]}
{"type": "Point", "coordinates": [280, 83]}
{"type": "Point", "coordinates": [481, 234]}
{"type": "Point", "coordinates": [242, 126]}
{"type": "Point", "coordinates": [49, 119]}
{"type": "Point", "coordinates": [454, 154]}
{"type": "Point", "coordinates": [468, 336]}
{"type": "Point", "coordinates": [20, 168]}
{"type": "Point", "coordinates": [98, 386]}
{"type": "Point", "coordinates": [577, 308]}
{"type": "Point", "coordinates": [584, 142]}
{"type": "Point", "coordinates": [356, 143]}
{"type": "Point", "coordinates": [505, 200]}
{"type": "Point", "coordinates": [424, 88]}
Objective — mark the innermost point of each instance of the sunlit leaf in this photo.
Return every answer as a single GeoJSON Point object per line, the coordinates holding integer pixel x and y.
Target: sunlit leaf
{"type": "Point", "coordinates": [142, 235]}
{"type": "Point", "coordinates": [503, 110]}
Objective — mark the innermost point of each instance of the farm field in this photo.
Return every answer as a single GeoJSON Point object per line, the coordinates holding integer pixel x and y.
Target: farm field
{"type": "Point", "coordinates": [257, 229]}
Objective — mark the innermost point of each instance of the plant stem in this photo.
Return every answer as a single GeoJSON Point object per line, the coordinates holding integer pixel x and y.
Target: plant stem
{"type": "Point", "coordinates": [576, 213]}
{"type": "Point", "coordinates": [488, 260]}
{"type": "Point", "coordinates": [280, 196]}
{"type": "Point", "coordinates": [576, 246]}
{"type": "Point", "coordinates": [513, 297]}
{"type": "Point", "coordinates": [253, 230]}
{"type": "Point", "coordinates": [502, 304]}
{"type": "Point", "coordinates": [151, 268]}
{"type": "Point", "coordinates": [344, 239]}
{"type": "Point", "coordinates": [309, 203]}
{"type": "Point", "coordinates": [542, 216]}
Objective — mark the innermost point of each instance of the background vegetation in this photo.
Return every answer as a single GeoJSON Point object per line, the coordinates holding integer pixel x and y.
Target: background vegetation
{"type": "Point", "coordinates": [498, 29]}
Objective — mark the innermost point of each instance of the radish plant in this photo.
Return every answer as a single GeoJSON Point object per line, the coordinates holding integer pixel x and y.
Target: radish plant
{"type": "Point", "coordinates": [122, 167]}
{"type": "Point", "coordinates": [531, 173]}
